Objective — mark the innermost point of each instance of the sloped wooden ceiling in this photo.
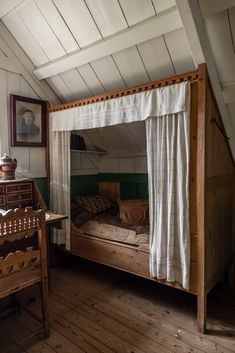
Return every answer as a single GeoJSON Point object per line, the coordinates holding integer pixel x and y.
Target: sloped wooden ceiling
{"type": "Point", "coordinates": [50, 30]}
{"type": "Point", "coordinates": [221, 31]}
{"type": "Point", "coordinates": [86, 47]}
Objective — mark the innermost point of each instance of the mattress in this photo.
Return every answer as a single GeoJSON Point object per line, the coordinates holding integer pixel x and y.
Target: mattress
{"type": "Point", "coordinates": [108, 226]}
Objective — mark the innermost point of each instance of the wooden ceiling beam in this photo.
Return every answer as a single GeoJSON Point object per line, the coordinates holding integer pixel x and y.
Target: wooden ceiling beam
{"type": "Point", "coordinates": [197, 36]}
{"type": "Point", "coordinates": [209, 8]}
{"type": "Point", "coordinates": [141, 32]}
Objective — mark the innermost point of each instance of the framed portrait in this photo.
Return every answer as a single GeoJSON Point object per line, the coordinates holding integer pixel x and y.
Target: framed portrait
{"type": "Point", "coordinates": [28, 121]}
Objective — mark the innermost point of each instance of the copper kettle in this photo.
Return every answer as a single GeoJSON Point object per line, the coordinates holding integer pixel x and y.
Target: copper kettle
{"type": "Point", "coordinates": [7, 167]}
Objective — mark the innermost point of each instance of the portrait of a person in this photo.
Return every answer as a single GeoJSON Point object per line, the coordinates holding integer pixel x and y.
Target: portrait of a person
{"type": "Point", "coordinates": [28, 121]}
{"type": "Point", "coordinates": [28, 125]}
{"type": "Point", "coordinates": [27, 129]}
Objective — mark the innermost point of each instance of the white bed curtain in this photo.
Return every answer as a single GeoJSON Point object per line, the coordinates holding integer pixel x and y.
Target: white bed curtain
{"type": "Point", "coordinates": [60, 183]}
{"type": "Point", "coordinates": [166, 111]}
{"type": "Point", "coordinates": [168, 180]}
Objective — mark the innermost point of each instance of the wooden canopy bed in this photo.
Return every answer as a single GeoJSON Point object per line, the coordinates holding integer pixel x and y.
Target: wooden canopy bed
{"type": "Point", "coordinates": [211, 197]}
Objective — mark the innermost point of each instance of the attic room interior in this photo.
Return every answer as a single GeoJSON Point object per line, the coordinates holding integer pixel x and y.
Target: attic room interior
{"type": "Point", "coordinates": [117, 146]}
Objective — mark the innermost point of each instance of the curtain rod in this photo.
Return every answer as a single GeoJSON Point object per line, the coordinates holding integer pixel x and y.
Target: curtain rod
{"type": "Point", "coordinates": [189, 76]}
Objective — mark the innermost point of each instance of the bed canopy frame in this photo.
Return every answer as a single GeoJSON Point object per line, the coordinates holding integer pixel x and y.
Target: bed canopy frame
{"type": "Point", "coordinates": [210, 187]}
{"type": "Point", "coordinates": [189, 76]}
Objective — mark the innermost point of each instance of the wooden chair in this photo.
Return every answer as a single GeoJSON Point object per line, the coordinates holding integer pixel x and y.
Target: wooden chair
{"type": "Point", "coordinates": [23, 268]}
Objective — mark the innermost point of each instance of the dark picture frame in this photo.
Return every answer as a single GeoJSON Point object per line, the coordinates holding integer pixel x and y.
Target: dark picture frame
{"type": "Point", "coordinates": [28, 121]}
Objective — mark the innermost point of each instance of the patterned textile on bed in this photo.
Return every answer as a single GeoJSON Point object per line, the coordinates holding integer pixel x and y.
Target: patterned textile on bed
{"type": "Point", "coordinates": [109, 227]}
{"type": "Point", "coordinates": [94, 204]}
{"type": "Point", "coordinates": [106, 224]}
{"type": "Point", "coordinates": [78, 214]}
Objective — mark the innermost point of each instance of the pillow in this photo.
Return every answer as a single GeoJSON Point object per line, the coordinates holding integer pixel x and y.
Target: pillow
{"type": "Point", "coordinates": [94, 203]}
{"type": "Point", "coordinates": [78, 214]}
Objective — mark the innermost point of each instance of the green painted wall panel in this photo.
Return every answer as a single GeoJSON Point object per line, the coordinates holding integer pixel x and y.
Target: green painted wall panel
{"type": "Point", "coordinates": [42, 185]}
{"type": "Point", "coordinates": [124, 177]}
{"type": "Point", "coordinates": [132, 186]}
{"type": "Point", "coordinates": [84, 185]}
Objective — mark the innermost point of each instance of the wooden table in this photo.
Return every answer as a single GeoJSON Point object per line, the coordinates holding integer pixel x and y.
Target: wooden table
{"type": "Point", "coordinates": [55, 219]}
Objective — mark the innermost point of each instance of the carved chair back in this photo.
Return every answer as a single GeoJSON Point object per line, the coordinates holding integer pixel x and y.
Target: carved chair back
{"type": "Point", "coordinates": [23, 268]}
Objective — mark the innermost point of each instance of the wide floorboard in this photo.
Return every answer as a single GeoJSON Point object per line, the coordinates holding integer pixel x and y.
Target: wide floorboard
{"type": "Point", "coordinates": [95, 309]}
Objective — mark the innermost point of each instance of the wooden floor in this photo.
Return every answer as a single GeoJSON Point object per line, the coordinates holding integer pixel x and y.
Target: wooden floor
{"type": "Point", "coordinates": [96, 309]}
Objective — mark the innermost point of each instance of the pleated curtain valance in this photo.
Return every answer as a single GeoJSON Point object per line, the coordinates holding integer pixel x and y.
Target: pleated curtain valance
{"type": "Point", "coordinates": [135, 107]}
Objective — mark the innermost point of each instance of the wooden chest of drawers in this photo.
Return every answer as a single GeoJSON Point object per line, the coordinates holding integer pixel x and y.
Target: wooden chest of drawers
{"type": "Point", "coordinates": [16, 193]}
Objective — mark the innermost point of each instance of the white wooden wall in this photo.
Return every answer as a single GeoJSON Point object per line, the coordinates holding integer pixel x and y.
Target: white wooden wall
{"type": "Point", "coordinates": [125, 145]}
{"type": "Point", "coordinates": [84, 164]}
{"type": "Point", "coordinates": [31, 161]}
{"type": "Point", "coordinates": [131, 164]}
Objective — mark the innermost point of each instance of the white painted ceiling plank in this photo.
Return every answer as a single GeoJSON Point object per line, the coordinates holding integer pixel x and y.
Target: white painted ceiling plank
{"type": "Point", "coordinates": [137, 131]}
{"type": "Point", "coordinates": [112, 139]}
{"type": "Point", "coordinates": [24, 87]}
{"type": "Point", "coordinates": [191, 32]}
{"type": "Point", "coordinates": [57, 24]}
{"type": "Point", "coordinates": [91, 79]}
{"type": "Point", "coordinates": [179, 51]}
{"type": "Point", "coordinates": [209, 7]}
{"type": "Point", "coordinates": [21, 61]}
{"type": "Point", "coordinates": [7, 6]}
{"type": "Point", "coordinates": [138, 33]}
{"type": "Point", "coordinates": [156, 58]}
{"type": "Point", "coordinates": [6, 64]}
{"type": "Point", "coordinates": [221, 45]}
{"type": "Point", "coordinates": [95, 135]}
{"type": "Point", "coordinates": [13, 83]}
{"type": "Point", "coordinates": [41, 31]}
{"type": "Point", "coordinates": [79, 21]}
{"type": "Point", "coordinates": [131, 67]}
{"type": "Point", "coordinates": [107, 15]}
{"type": "Point", "coordinates": [108, 74]}
{"type": "Point", "coordinates": [120, 140]}
{"type": "Point", "coordinates": [59, 87]}
{"type": "Point", "coordinates": [25, 38]}
{"type": "Point", "coordinates": [123, 137]}
{"type": "Point", "coordinates": [137, 10]}
{"type": "Point", "coordinates": [33, 94]}
{"type": "Point", "coordinates": [75, 83]}
{"type": "Point", "coordinates": [163, 5]}
{"type": "Point", "coordinates": [133, 135]}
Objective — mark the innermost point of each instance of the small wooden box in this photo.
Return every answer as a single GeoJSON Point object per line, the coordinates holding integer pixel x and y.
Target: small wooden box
{"type": "Point", "coordinates": [134, 212]}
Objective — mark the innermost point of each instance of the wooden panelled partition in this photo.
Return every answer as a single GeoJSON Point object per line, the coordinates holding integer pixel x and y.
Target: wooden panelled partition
{"type": "Point", "coordinates": [211, 214]}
